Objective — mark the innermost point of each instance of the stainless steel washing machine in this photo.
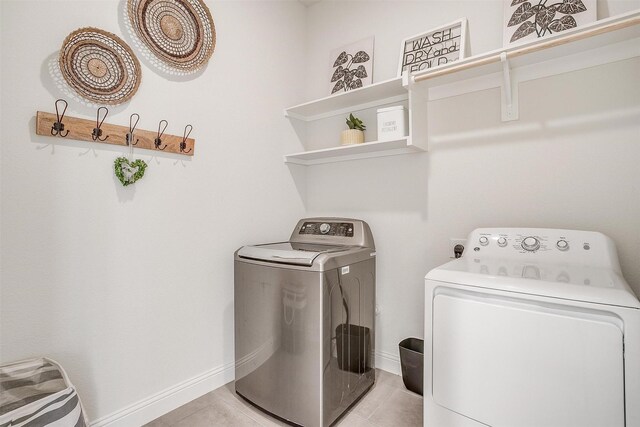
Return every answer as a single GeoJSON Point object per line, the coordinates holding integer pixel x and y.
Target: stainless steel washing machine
{"type": "Point", "coordinates": [304, 321]}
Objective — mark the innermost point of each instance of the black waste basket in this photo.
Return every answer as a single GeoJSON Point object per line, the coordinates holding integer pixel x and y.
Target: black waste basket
{"type": "Point", "coordinates": [412, 363]}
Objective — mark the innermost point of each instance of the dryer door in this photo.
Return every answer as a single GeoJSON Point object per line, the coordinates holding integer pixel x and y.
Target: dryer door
{"type": "Point", "coordinates": [507, 361]}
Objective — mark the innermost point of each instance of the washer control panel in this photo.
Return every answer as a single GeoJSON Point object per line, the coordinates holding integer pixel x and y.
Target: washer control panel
{"type": "Point", "coordinates": [566, 245]}
{"type": "Point", "coordinates": [338, 229]}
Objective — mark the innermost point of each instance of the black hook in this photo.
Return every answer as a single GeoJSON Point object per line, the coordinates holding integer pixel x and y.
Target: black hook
{"type": "Point", "coordinates": [58, 126]}
{"type": "Point", "coordinates": [97, 132]}
{"type": "Point", "coordinates": [186, 134]}
{"type": "Point", "coordinates": [158, 140]}
{"type": "Point", "coordinates": [132, 127]}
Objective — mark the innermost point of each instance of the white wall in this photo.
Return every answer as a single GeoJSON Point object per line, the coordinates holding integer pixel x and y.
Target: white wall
{"type": "Point", "coordinates": [131, 289]}
{"type": "Point", "coordinates": [571, 161]}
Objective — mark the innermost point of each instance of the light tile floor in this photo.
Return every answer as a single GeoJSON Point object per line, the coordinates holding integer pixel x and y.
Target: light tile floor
{"type": "Point", "coordinates": [387, 404]}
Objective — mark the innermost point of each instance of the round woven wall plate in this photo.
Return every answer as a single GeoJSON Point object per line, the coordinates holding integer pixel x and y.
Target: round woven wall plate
{"type": "Point", "coordinates": [180, 33]}
{"type": "Point", "coordinates": [99, 66]}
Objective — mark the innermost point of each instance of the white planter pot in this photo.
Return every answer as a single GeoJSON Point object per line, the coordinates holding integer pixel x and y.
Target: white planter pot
{"type": "Point", "coordinates": [351, 136]}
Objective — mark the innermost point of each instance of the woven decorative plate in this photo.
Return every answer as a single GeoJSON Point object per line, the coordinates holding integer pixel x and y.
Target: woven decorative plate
{"type": "Point", "coordinates": [180, 33]}
{"type": "Point", "coordinates": [99, 66]}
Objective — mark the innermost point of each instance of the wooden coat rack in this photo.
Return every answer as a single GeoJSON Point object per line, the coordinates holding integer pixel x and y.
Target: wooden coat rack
{"type": "Point", "coordinates": [82, 129]}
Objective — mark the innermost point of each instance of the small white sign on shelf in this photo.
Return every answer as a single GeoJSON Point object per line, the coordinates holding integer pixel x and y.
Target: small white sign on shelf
{"type": "Point", "coordinates": [433, 48]}
{"type": "Point", "coordinates": [392, 123]}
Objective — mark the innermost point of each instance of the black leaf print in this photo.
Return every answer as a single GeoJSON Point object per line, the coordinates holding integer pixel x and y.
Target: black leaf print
{"type": "Point", "coordinates": [545, 21]}
{"type": "Point", "coordinates": [524, 30]}
{"type": "Point", "coordinates": [348, 76]}
{"type": "Point", "coordinates": [564, 23]}
{"type": "Point", "coordinates": [570, 7]}
{"type": "Point", "coordinates": [522, 13]}
{"type": "Point", "coordinates": [345, 74]}
{"type": "Point", "coordinates": [355, 84]}
{"type": "Point", "coordinates": [338, 86]}
{"type": "Point", "coordinates": [338, 74]}
{"type": "Point", "coordinates": [544, 17]}
{"type": "Point", "coordinates": [361, 72]}
{"type": "Point", "coordinates": [342, 58]}
{"type": "Point", "coordinates": [361, 56]}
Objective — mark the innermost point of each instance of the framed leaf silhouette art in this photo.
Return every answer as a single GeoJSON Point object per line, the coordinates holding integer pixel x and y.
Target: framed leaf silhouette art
{"type": "Point", "coordinates": [351, 66]}
{"type": "Point", "coordinates": [528, 20]}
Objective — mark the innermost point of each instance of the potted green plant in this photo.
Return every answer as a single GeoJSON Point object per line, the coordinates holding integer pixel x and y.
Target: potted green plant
{"type": "Point", "coordinates": [355, 133]}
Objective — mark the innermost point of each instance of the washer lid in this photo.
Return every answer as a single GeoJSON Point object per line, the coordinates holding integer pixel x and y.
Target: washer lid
{"type": "Point", "coordinates": [288, 252]}
{"type": "Point", "coordinates": [555, 280]}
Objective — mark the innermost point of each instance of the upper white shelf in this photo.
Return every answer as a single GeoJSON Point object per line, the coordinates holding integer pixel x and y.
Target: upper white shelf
{"type": "Point", "coordinates": [588, 38]}
{"type": "Point", "coordinates": [608, 40]}
{"type": "Point", "coordinates": [387, 91]}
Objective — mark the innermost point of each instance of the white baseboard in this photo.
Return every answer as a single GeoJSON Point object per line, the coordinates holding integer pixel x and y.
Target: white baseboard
{"type": "Point", "coordinates": [388, 362]}
{"type": "Point", "coordinates": [169, 399]}
{"type": "Point", "coordinates": [173, 397]}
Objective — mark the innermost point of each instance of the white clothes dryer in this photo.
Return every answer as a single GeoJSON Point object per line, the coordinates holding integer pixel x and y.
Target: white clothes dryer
{"type": "Point", "coordinates": [532, 327]}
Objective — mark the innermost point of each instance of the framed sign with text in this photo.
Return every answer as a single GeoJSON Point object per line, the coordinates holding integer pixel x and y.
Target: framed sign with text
{"type": "Point", "coordinates": [433, 48]}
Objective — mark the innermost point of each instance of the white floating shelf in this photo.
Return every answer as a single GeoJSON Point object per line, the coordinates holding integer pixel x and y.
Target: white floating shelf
{"type": "Point", "coordinates": [353, 152]}
{"type": "Point", "coordinates": [602, 42]}
{"type": "Point", "coordinates": [384, 92]}
{"type": "Point", "coordinates": [590, 37]}
{"type": "Point", "coordinates": [605, 41]}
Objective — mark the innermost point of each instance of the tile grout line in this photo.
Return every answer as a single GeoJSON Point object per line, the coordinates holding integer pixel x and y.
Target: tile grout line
{"type": "Point", "coordinates": [172, 424]}
{"type": "Point", "coordinates": [188, 415]}
{"type": "Point", "coordinates": [381, 404]}
{"type": "Point", "coordinates": [242, 411]}
{"type": "Point", "coordinates": [245, 408]}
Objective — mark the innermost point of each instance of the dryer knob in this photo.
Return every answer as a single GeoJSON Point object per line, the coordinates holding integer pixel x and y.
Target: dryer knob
{"type": "Point", "coordinates": [324, 228]}
{"type": "Point", "coordinates": [502, 242]}
{"type": "Point", "coordinates": [530, 244]}
{"type": "Point", "coordinates": [563, 245]}
{"type": "Point", "coordinates": [484, 241]}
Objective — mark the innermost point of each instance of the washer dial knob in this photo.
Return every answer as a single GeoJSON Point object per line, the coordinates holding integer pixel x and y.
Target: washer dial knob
{"type": "Point", "coordinates": [502, 242]}
{"type": "Point", "coordinates": [563, 245]}
{"type": "Point", "coordinates": [324, 228]}
{"type": "Point", "coordinates": [484, 241]}
{"type": "Point", "coordinates": [530, 244]}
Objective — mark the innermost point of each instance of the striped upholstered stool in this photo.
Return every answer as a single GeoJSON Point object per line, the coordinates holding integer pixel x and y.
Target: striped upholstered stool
{"type": "Point", "coordinates": [37, 392]}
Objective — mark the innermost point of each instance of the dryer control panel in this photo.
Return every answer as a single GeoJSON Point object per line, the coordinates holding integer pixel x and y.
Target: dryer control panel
{"type": "Point", "coordinates": [581, 247]}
